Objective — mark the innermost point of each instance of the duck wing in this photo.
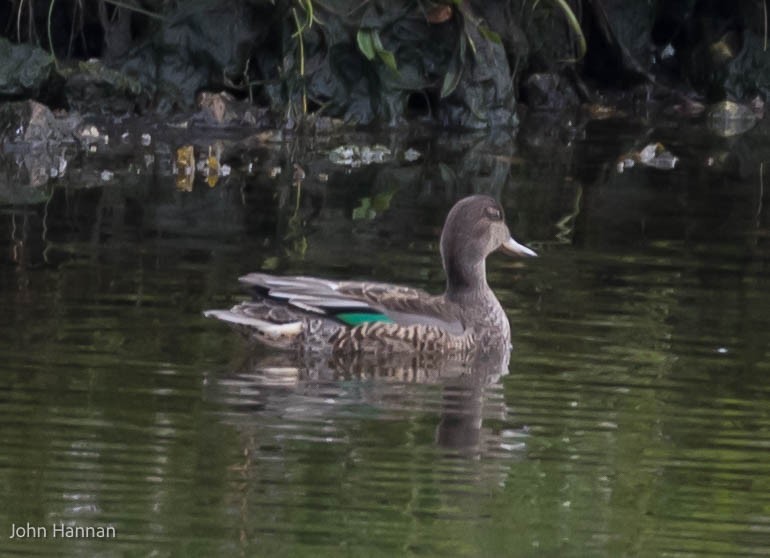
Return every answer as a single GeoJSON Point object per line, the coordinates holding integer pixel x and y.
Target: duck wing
{"type": "Point", "coordinates": [353, 303]}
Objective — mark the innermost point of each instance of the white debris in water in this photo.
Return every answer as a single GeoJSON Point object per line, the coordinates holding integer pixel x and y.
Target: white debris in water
{"type": "Point", "coordinates": [343, 155]}
{"type": "Point", "coordinates": [224, 170]}
{"type": "Point", "coordinates": [146, 139]}
{"type": "Point", "coordinates": [626, 163]}
{"type": "Point", "coordinates": [59, 169]}
{"type": "Point", "coordinates": [648, 153]}
{"type": "Point", "coordinates": [90, 132]}
{"type": "Point", "coordinates": [664, 161]}
{"type": "Point", "coordinates": [124, 136]}
{"type": "Point", "coordinates": [374, 154]}
{"type": "Point", "coordinates": [653, 155]}
{"type": "Point", "coordinates": [107, 175]}
{"type": "Point", "coordinates": [411, 155]}
{"type": "Point", "coordinates": [354, 156]}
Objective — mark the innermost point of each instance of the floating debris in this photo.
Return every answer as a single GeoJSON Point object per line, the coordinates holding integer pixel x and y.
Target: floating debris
{"type": "Point", "coordinates": [90, 137]}
{"type": "Point", "coordinates": [369, 208]}
{"type": "Point", "coordinates": [355, 156]}
{"type": "Point", "coordinates": [59, 169]}
{"type": "Point", "coordinates": [90, 133]}
{"type": "Point", "coordinates": [625, 163]}
{"type": "Point", "coordinates": [597, 111]}
{"type": "Point", "coordinates": [731, 119]}
{"type": "Point", "coordinates": [411, 155]}
{"type": "Point", "coordinates": [146, 139]}
{"type": "Point", "coordinates": [343, 155]}
{"type": "Point", "coordinates": [106, 175]}
{"type": "Point", "coordinates": [653, 155]}
{"type": "Point", "coordinates": [273, 172]}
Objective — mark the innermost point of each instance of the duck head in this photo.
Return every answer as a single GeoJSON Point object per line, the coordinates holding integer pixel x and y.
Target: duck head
{"type": "Point", "coordinates": [474, 228]}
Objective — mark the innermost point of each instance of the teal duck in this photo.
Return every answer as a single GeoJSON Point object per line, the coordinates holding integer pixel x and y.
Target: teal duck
{"type": "Point", "coordinates": [308, 314]}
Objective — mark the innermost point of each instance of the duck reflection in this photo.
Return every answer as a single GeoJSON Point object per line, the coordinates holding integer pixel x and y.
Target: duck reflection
{"type": "Point", "coordinates": [461, 392]}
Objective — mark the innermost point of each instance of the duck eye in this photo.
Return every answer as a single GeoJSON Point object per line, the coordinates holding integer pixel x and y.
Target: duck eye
{"type": "Point", "coordinates": [494, 214]}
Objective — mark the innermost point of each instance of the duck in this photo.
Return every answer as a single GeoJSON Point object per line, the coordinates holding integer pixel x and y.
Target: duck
{"type": "Point", "coordinates": [311, 315]}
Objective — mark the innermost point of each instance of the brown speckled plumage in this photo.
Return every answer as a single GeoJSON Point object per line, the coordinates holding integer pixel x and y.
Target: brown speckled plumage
{"type": "Point", "coordinates": [311, 315]}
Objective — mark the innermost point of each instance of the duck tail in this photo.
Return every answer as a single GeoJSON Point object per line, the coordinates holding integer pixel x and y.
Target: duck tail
{"type": "Point", "coordinates": [281, 335]}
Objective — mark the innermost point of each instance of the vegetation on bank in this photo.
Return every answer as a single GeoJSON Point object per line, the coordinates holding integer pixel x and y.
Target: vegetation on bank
{"type": "Point", "coordinates": [464, 63]}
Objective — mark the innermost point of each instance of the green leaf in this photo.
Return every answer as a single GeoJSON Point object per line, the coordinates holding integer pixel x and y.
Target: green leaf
{"type": "Point", "coordinates": [308, 6]}
{"type": "Point", "coordinates": [451, 79]}
{"type": "Point", "coordinates": [490, 35]}
{"type": "Point", "coordinates": [376, 40]}
{"type": "Point", "coordinates": [467, 34]}
{"type": "Point", "coordinates": [455, 70]}
{"type": "Point", "coordinates": [370, 44]}
{"type": "Point", "coordinates": [366, 43]}
{"type": "Point", "coordinates": [574, 24]}
{"type": "Point", "coordinates": [387, 57]}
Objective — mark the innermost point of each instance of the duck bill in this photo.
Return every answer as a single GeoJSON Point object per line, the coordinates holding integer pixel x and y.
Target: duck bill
{"type": "Point", "coordinates": [512, 247]}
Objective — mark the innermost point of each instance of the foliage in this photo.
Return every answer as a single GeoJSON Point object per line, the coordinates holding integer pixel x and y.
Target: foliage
{"type": "Point", "coordinates": [452, 62]}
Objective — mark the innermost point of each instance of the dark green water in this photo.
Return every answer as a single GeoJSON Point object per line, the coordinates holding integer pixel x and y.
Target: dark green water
{"type": "Point", "coordinates": [634, 419]}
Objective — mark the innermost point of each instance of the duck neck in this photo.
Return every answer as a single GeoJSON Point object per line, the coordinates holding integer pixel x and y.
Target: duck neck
{"type": "Point", "coordinates": [466, 282]}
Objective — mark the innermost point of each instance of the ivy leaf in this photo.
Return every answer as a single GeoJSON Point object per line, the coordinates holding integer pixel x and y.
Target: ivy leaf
{"type": "Point", "coordinates": [370, 44]}
{"type": "Point", "coordinates": [385, 55]}
{"type": "Point", "coordinates": [366, 43]}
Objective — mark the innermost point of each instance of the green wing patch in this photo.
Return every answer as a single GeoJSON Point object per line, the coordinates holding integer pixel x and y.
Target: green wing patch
{"type": "Point", "coordinates": [357, 318]}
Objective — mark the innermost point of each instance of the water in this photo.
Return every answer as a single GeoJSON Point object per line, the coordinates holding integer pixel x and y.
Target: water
{"type": "Point", "coordinates": [632, 419]}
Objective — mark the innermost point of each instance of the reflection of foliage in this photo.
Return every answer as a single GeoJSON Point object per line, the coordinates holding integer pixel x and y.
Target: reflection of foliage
{"type": "Point", "coordinates": [295, 234]}
{"type": "Point", "coordinates": [185, 168]}
{"type": "Point", "coordinates": [369, 208]}
{"type": "Point", "coordinates": [566, 225]}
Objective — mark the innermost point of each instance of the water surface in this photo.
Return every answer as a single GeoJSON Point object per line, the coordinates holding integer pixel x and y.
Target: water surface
{"type": "Point", "coordinates": [633, 417]}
